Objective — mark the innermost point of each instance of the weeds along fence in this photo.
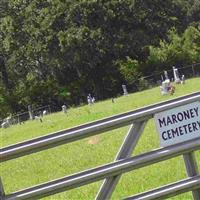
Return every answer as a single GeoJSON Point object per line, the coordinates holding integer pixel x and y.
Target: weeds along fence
{"type": "Point", "coordinates": [155, 79]}
{"type": "Point", "coordinates": [20, 118]}
{"type": "Point", "coordinates": [124, 162]}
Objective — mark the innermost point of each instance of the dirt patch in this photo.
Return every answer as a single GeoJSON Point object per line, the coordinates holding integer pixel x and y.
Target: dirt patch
{"type": "Point", "coordinates": [94, 140]}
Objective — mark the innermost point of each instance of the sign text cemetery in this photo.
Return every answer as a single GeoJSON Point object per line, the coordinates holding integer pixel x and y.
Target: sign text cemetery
{"type": "Point", "coordinates": [179, 124]}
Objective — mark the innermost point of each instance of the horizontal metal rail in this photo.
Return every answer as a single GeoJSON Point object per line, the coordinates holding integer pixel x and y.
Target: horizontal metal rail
{"type": "Point", "coordinates": [99, 173]}
{"type": "Point", "coordinates": [170, 190]}
{"type": "Point", "coordinates": [93, 128]}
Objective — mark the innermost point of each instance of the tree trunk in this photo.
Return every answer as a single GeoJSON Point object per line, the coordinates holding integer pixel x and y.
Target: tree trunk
{"type": "Point", "coordinates": [4, 73]}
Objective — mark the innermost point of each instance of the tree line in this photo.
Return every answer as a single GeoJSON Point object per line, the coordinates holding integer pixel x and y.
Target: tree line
{"type": "Point", "coordinates": [57, 51]}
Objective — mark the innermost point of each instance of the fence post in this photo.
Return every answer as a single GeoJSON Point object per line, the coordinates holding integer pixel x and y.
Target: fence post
{"type": "Point", "coordinates": [192, 170]}
{"type": "Point", "coordinates": [193, 71]}
{"type": "Point", "coordinates": [30, 111]}
{"type": "Point", "coordinates": [49, 107]}
{"type": "Point", "coordinates": [125, 151]}
{"type": "Point", "coordinates": [18, 119]}
{"type": "Point", "coordinates": [2, 193]}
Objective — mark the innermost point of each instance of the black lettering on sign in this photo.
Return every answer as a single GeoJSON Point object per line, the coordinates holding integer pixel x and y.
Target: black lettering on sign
{"type": "Point", "coordinates": [163, 136]}
{"type": "Point", "coordinates": [179, 117]}
{"type": "Point", "coordinates": [192, 113]}
{"type": "Point", "coordinates": [185, 128]}
{"type": "Point", "coordinates": [181, 130]}
{"type": "Point", "coordinates": [196, 111]}
{"type": "Point", "coordinates": [190, 128]}
{"type": "Point", "coordinates": [174, 119]}
{"type": "Point", "coordinates": [169, 121]}
{"type": "Point", "coordinates": [169, 134]}
{"type": "Point", "coordinates": [186, 114]}
{"type": "Point", "coordinates": [175, 132]}
{"type": "Point", "coordinates": [162, 122]}
{"type": "Point", "coordinates": [194, 126]}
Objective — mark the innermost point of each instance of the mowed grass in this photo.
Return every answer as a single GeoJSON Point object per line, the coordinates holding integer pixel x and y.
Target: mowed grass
{"type": "Point", "coordinates": [94, 151]}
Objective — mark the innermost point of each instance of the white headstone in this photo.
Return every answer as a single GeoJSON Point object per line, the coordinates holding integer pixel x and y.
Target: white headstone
{"type": "Point", "coordinates": [124, 89]}
{"type": "Point", "coordinates": [166, 75]}
{"type": "Point", "coordinates": [44, 112]}
{"type": "Point", "coordinates": [165, 87]}
{"type": "Point", "coordinates": [89, 99]}
{"type": "Point", "coordinates": [64, 108]}
{"type": "Point", "coordinates": [93, 100]}
{"type": "Point", "coordinates": [31, 115]}
{"type": "Point", "coordinates": [176, 75]}
{"type": "Point", "coordinates": [5, 125]}
{"type": "Point", "coordinates": [183, 79]}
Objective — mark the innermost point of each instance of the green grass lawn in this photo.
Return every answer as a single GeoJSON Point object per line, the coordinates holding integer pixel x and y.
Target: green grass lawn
{"type": "Point", "coordinates": [91, 152]}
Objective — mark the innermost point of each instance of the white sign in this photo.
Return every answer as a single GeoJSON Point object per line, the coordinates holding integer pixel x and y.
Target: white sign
{"type": "Point", "coordinates": [179, 124]}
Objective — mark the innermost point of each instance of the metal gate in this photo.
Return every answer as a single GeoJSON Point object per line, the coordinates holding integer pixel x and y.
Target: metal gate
{"type": "Point", "coordinates": [124, 162]}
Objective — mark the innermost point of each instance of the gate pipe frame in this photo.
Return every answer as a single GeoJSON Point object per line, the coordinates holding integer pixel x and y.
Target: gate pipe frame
{"type": "Point", "coordinates": [93, 128]}
{"type": "Point", "coordinates": [108, 170]}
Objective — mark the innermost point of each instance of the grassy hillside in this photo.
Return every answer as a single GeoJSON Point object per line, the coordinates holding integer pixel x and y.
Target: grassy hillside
{"type": "Point", "coordinates": [71, 158]}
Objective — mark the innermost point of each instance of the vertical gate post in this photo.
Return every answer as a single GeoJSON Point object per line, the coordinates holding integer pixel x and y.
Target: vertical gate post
{"type": "Point", "coordinates": [192, 170]}
{"type": "Point", "coordinates": [125, 151]}
{"type": "Point", "coordinates": [2, 193]}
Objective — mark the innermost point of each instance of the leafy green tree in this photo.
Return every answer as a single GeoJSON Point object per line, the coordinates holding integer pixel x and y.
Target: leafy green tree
{"type": "Point", "coordinates": [178, 50]}
{"type": "Point", "coordinates": [57, 51]}
{"type": "Point", "coordinates": [130, 70]}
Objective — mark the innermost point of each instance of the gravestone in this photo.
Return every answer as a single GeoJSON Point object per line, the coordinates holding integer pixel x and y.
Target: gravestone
{"type": "Point", "coordinates": [31, 116]}
{"type": "Point", "coordinates": [64, 109]}
{"type": "Point", "coordinates": [39, 118]}
{"type": "Point", "coordinates": [5, 125]}
{"type": "Point", "coordinates": [93, 100]}
{"type": "Point", "coordinates": [89, 99]}
{"type": "Point", "coordinates": [44, 112]}
{"type": "Point", "coordinates": [183, 79]}
{"type": "Point", "coordinates": [166, 75]}
{"type": "Point", "coordinates": [165, 87]}
{"type": "Point", "coordinates": [6, 122]}
{"type": "Point", "coordinates": [124, 89]}
{"type": "Point", "coordinates": [30, 112]}
{"type": "Point", "coordinates": [176, 75]}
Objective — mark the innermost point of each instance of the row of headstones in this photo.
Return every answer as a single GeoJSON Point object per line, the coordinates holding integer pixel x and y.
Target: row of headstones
{"type": "Point", "coordinates": [6, 122]}
{"type": "Point", "coordinates": [39, 116]}
{"type": "Point", "coordinates": [167, 87]}
{"type": "Point", "coordinates": [90, 99]}
{"type": "Point", "coordinates": [177, 78]}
